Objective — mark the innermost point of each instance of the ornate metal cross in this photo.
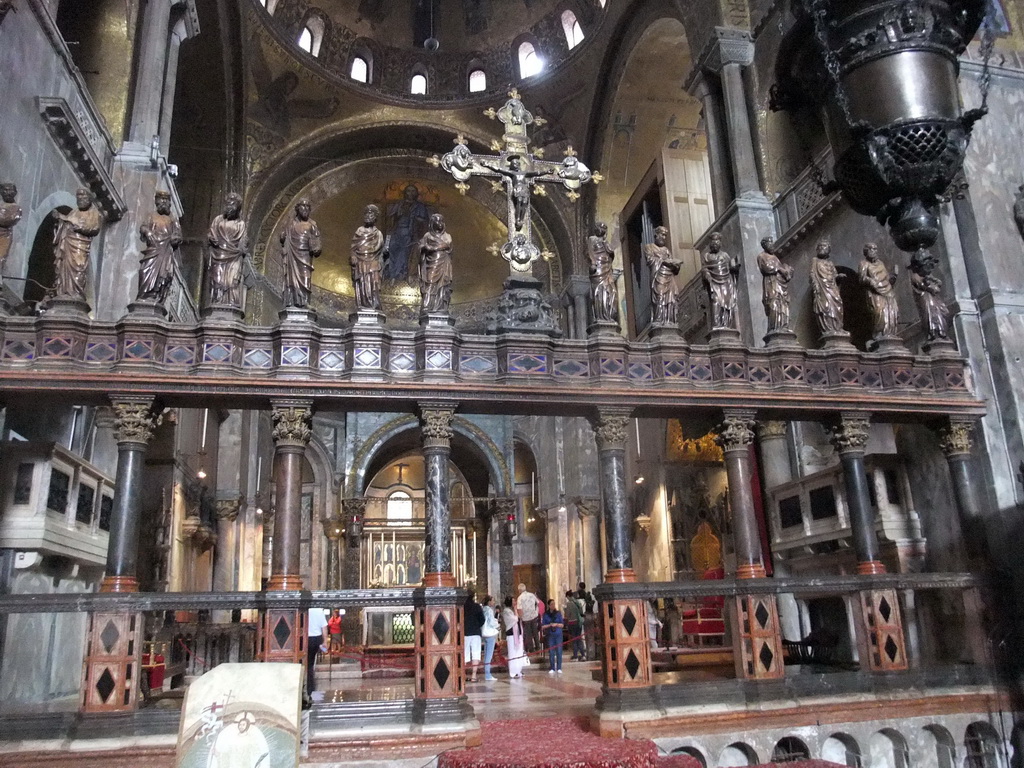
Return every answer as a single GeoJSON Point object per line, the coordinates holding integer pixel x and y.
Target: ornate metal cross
{"type": "Point", "coordinates": [517, 171]}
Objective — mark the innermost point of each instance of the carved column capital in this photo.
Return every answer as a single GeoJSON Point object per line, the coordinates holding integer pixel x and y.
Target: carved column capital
{"type": "Point", "coordinates": [956, 438]}
{"type": "Point", "coordinates": [850, 433]}
{"type": "Point", "coordinates": [227, 509]}
{"type": "Point", "coordinates": [134, 420]}
{"type": "Point", "coordinates": [504, 507]}
{"type": "Point", "coordinates": [728, 45]}
{"type": "Point", "coordinates": [353, 507]}
{"type": "Point", "coordinates": [292, 424]}
{"type": "Point", "coordinates": [609, 427]}
{"type": "Point", "coordinates": [436, 425]}
{"type": "Point", "coordinates": [736, 431]}
{"type": "Point", "coordinates": [771, 430]}
{"type": "Point", "coordinates": [587, 506]}
{"type": "Point", "coordinates": [333, 527]}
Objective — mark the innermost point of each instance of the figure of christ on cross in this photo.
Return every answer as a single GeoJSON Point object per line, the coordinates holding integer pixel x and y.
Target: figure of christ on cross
{"type": "Point", "coordinates": [519, 183]}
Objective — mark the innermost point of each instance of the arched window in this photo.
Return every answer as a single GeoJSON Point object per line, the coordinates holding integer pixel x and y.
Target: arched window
{"type": "Point", "coordinates": [312, 35]}
{"type": "Point", "coordinates": [418, 84]}
{"type": "Point", "coordinates": [573, 30]}
{"type": "Point", "coordinates": [602, 3]}
{"type": "Point", "coordinates": [530, 63]}
{"type": "Point", "coordinates": [477, 81]}
{"type": "Point", "coordinates": [360, 71]}
{"type": "Point", "coordinates": [399, 506]}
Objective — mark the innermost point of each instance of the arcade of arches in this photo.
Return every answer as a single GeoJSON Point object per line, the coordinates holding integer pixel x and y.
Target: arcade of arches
{"type": "Point", "coordinates": [796, 543]}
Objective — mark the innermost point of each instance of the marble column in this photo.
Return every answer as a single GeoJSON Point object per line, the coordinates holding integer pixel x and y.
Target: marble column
{"type": "Point", "coordinates": [956, 440]}
{"type": "Point", "coordinates": [777, 470]}
{"type": "Point", "coordinates": [880, 634]}
{"type": "Point", "coordinates": [755, 618]}
{"type": "Point", "coordinates": [505, 512]}
{"type": "Point", "coordinates": [332, 530]}
{"type": "Point", "coordinates": [438, 616]}
{"type": "Point", "coordinates": [112, 656]}
{"type": "Point", "coordinates": [709, 92]}
{"type": "Point", "coordinates": [284, 635]}
{"type": "Point", "coordinates": [225, 562]}
{"type": "Point", "coordinates": [178, 35]}
{"type": "Point", "coordinates": [149, 81]}
{"type": "Point", "coordinates": [626, 660]}
{"type": "Point", "coordinates": [353, 511]}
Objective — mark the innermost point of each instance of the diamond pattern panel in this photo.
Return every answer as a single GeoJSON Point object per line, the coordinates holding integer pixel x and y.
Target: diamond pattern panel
{"type": "Point", "coordinates": [765, 656]}
{"type": "Point", "coordinates": [954, 380]}
{"type": "Point", "coordinates": [572, 369]}
{"type": "Point", "coordinates": [19, 350]}
{"type": "Point", "coordinates": [762, 614]}
{"type": "Point", "coordinates": [105, 685]}
{"type": "Point", "coordinates": [257, 358]}
{"type": "Point", "coordinates": [903, 377]}
{"type": "Point", "coordinates": [441, 627]}
{"type": "Point", "coordinates": [871, 379]}
{"type": "Point", "coordinates": [180, 355]}
{"type": "Point", "coordinates": [628, 620]}
{"type": "Point", "coordinates": [892, 650]}
{"type": "Point", "coordinates": [885, 610]}
{"type": "Point", "coordinates": [138, 350]}
{"type": "Point", "coordinates": [612, 366]}
{"type": "Point", "coordinates": [439, 360]}
{"type": "Point", "coordinates": [367, 357]}
{"type": "Point", "coordinates": [640, 371]}
{"type": "Point", "coordinates": [924, 381]}
{"type": "Point", "coordinates": [817, 377]}
{"type": "Point", "coordinates": [793, 372]}
{"type": "Point", "coordinates": [632, 664]}
{"type": "Point", "coordinates": [760, 375]}
{"type": "Point", "coordinates": [441, 673]}
{"type": "Point", "coordinates": [57, 347]}
{"type": "Point", "coordinates": [109, 637]}
{"type": "Point", "coordinates": [99, 352]}
{"type": "Point", "coordinates": [403, 361]}
{"type": "Point", "coordinates": [332, 361]}
{"type": "Point", "coordinates": [734, 370]}
{"type": "Point", "coordinates": [216, 353]}
{"type": "Point", "coordinates": [675, 369]}
{"type": "Point", "coordinates": [295, 355]}
{"type": "Point", "coordinates": [701, 372]}
{"type": "Point", "coordinates": [282, 632]}
{"type": "Point", "coordinates": [849, 375]}
{"type": "Point", "coordinates": [476, 364]}
{"type": "Point", "coordinates": [518, 363]}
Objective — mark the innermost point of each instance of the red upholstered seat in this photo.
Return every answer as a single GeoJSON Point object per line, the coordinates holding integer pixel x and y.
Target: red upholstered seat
{"type": "Point", "coordinates": [703, 624]}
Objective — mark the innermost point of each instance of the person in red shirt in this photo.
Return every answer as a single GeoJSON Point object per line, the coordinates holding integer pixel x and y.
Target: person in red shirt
{"type": "Point", "coordinates": [334, 630]}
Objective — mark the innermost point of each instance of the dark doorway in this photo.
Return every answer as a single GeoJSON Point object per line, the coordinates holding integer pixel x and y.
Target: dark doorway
{"type": "Point", "coordinates": [41, 272]}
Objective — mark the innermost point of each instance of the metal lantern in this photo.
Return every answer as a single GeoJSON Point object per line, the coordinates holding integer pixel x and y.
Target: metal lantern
{"type": "Point", "coordinates": [884, 77]}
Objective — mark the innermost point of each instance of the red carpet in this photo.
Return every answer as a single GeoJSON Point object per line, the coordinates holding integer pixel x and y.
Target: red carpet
{"type": "Point", "coordinates": [557, 742]}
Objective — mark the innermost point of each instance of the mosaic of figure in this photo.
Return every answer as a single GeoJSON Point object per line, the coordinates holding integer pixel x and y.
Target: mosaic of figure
{"type": "Point", "coordinates": [776, 278]}
{"type": "Point", "coordinates": [10, 215]}
{"type": "Point", "coordinates": [928, 296]}
{"type": "Point", "coordinates": [367, 260]}
{"type": "Point", "coordinates": [407, 222]}
{"type": "Point", "coordinates": [161, 234]}
{"type": "Point", "coordinates": [827, 303]}
{"type": "Point", "coordinates": [228, 248]}
{"type": "Point", "coordinates": [300, 244]}
{"type": "Point", "coordinates": [664, 268]}
{"type": "Point", "coordinates": [719, 271]}
{"type": "Point", "coordinates": [71, 242]}
{"type": "Point", "coordinates": [881, 294]}
{"type": "Point", "coordinates": [604, 294]}
{"type": "Point", "coordinates": [435, 267]}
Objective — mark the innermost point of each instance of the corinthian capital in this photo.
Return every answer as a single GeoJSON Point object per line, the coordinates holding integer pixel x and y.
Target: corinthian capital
{"type": "Point", "coordinates": [850, 434]}
{"type": "Point", "coordinates": [736, 431]}
{"type": "Point", "coordinates": [134, 420]}
{"type": "Point", "coordinates": [227, 509]}
{"type": "Point", "coordinates": [771, 430]}
{"type": "Point", "coordinates": [436, 424]}
{"type": "Point", "coordinates": [292, 425]}
{"type": "Point", "coordinates": [610, 429]}
{"type": "Point", "coordinates": [955, 438]}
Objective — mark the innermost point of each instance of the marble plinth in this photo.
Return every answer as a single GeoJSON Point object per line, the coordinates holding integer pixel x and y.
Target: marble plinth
{"type": "Point", "coordinates": [367, 317]}
{"type": "Point", "coordinates": [223, 313]}
{"type": "Point", "coordinates": [524, 308]}
{"type": "Point", "coordinates": [839, 340]}
{"type": "Point", "coordinates": [781, 338]}
{"type": "Point", "coordinates": [68, 306]}
{"type": "Point", "coordinates": [147, 308]}
{"type": "Point", "coordinates": [297, 315]}
{"type": "Point", "coordinates": [435, 319]}
{"type": "Point", "coordinates": [604, 328]}
{"type": "Point", "coordinates": [940, 348]}
{"type": "Point", "coordinates": [724, 337]}
{"type": "Point", "coordinates": [887, 344]}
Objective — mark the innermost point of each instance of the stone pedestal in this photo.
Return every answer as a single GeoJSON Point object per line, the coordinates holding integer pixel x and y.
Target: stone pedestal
{"type": "Point", "coordinates": [367, 317]}
{"type": "Point", "coordinates": [724, 337]}
{"type": "Point", "coordinates": [66, 306]}
{"type": "Point", "coordinates": [664, 330]}
{"type": "Point", "coordinates": [524, 308]}
{"type": "Point", "coordinates": [837, 340]}
{"type": "Point", "coordinates": [282, 636]}
{"type": "Point", "coordinates": [882, 642]}
{"type": "Point", "coordinates": [604, 328]}
{"type": "Point", "coordinates": [224, 313]}
{"type": "Point", "coordinates": [112, 663]}
{"type": "Point", "coordinates": [147, 309]}
{"type": "Point", "coordinates": [888, 344]}
{"type": "Point", "coordinates": [781, 338]}
{"type": "Point", "coordinates": [758, 653]}
{"type": "Point", "coordinates": [437, 319]}
{"type": "Point", "coordinates": [940, 348]}
{"type": "Point", "coordinates": [297, 316]}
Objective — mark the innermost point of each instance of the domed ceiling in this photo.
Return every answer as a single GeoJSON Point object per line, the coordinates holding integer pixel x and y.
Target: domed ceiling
{"type": "Point", "coordinates": [470, 34]}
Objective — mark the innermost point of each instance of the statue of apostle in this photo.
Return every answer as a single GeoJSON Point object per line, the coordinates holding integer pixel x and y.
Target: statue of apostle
{"type": "Point", "coordinates": [827, 303]}
{"type": "Point", "coordinates": [71, 242]}
{"type": "Point", "coordinates": [928, 296]}
{"type": "Point", "coordinates": [228, 249]}
{"type": "Point", "coordinates": [300, 244]}
{"type": "Point", "coordinates": [10, 215]}
{"type": "Point", "coordinates": [604, 294]}
{"type": "Point", "coordinates": [435, 267]}
{"type": "Point", "coordinates": [367, 260]}
{"type": "Point", "coordinates": [881, 294]}
{"type": "Point", "coordinates": [664, 268]}
{"type": "Point", "coordinates": [719, 271]}
{"type": "Point", "coordinates": [161, 234]}
{"type": "Point", "coordinates": [776, 277]}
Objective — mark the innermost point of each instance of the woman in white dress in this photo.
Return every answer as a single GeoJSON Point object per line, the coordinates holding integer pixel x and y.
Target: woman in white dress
{"type": "Point", "coordinates": [513, 640]}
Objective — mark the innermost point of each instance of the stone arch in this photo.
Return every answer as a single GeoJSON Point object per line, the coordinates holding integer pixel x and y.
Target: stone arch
{"type": "Point", "coordinates": [790, 748]}
{"type": "Point", "coordinates": [887, 748]}
{"type": "Point", "coordinates": [26, 233]}
{"type": "Point", "coordinates": [737, 754]}
{"type": "Point", "coordinates": [938, 748]}
{"type": "Point", "coordinates": [842, 748]}
{"type": "Point", "coordinates": [983, 746]}
{"type": "Point", "coordinates": [693, 752]}
{"type": "Point", "coordinates": [388, 435]}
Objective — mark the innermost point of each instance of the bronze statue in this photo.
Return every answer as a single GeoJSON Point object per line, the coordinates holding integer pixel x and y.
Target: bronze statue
{"type": "Point", "coordinates": [776, 278]}
{"type": "Point", "coordinates": [161, 234]}
{"type": "Point", "coordinates": [367, 260]}
{"type": "Point", "coordinates": [881, 294]}
{"type": "Point", "coordinates": [435, 267]}
{"type": "Point", "coordinates": [827, 303]}
{"type": "Point", "coordinates": [10, 215]}
{"type": "Point", "coordinates": [228, 249]}
{"type": "Point", "coordinates": [664, 293]}
{"type": "Point", "coordinates": [604, 293]}
{"type": "Point", "coordinates": [72, 240]}
{"type": "Point", "coordinates": [719, 271]}
{"type": "Point", "coordinates": [520, 182]}
{"type": "Point", "coordinates": [300, 244]}
{"type": "Point", "coordinates": [928, 296]}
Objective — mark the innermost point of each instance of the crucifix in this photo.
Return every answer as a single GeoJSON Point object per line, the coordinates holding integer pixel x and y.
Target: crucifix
{"type": "Point", "coordinates": [519, 172]}
{"type": "Point", "coordinates": [401, 468]}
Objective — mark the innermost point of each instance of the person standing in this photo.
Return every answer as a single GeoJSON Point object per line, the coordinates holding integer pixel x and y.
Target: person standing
{"type": "Point", "coordinates": [334, 630]}
{"type": "Point", "coordinates": [513, 640]}
{"type": "Point", "coordinates": [489, 633]}
{"type": "Point", "coordinates": [589, 621]}
{"type": "Point", "coordinates": [552, 623]}
{"type": "Point", "coordinates": [527, 605]}
{"type": "Point", "coordinates": [574, 626]}
{"type": "Point", "coordinates": [316, 642]}
{"type": "Point", "coordinates": [473, 624]}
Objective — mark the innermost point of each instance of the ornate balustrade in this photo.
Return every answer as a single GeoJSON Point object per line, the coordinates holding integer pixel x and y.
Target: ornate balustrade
{"type": "Point", "coordinates": [85, 360]}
